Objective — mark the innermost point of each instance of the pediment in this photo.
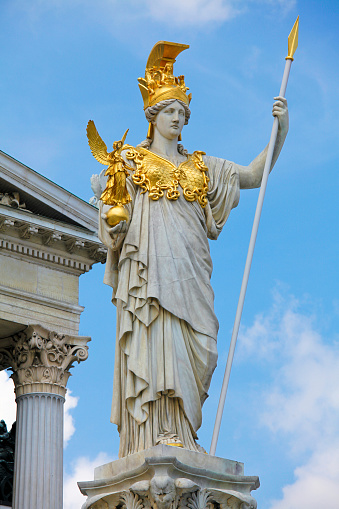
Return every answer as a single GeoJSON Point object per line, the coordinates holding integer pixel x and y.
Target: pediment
{"type": "Point", "coordinates": [24, 189]}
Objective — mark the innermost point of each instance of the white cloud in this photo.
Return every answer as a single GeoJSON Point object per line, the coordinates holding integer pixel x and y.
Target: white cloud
{"type": "Point", "coordinates": [69, 428]}
{"type": "Point", "coordinates": [202, 12]}
{"type": "Point", "coordinates": [82, 470]}
{"type": "Point", "coordinates": [7, 399]}
{"type": "Point", "coordinates": [301, 405]}
{"type": "Point", "coordinates": [8, 406]}
{"type": "Point", "coordinates": [174, 13]}
{"type": "Point", "coordinates": [316, 484]}
{"type": "Point", "coordinates": [304, 396]}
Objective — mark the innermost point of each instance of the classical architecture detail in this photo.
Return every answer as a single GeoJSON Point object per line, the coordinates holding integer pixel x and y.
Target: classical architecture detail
{"type": "Point", "coordinates": [162, 492]}
{"type": "Point", "coordinates": [98, 253]}
{"type": "Point", "coordinates": [131, 501]}
{"type": "Point", "coordinates": [159, 493]}
{"type": "Point", "coordinates": [5, 223]}
{"type": "Point", "coordinates": [40, 359]}
{"type": "Point", "coordinates": [73, 245]}
{"type": "Point", "coordinates": [47, 237]}
{"type": "Point", "coordinates": [11, 200]}
{"type": "Point", "coordinates": [48, 240]}
{"type": "Point", "coordinates": [202, 499]}
{"type": "Point", "coordinates": [15, 248]}
{"type": "Point", "coordinates": [27, 230]}
{"type": "Point", "coordinates": [51, 237]}
{"type": "Point", "coordinates": [165, 493]}
{"type": "Point", "coordinates": [165, 477]}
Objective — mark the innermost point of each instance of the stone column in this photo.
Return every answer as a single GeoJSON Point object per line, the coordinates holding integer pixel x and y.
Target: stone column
{"type": "Point", "coordinates": [40, 361]}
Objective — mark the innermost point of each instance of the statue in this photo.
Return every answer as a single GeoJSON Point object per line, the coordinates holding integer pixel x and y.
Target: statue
{"type": "Point", "coordinates": [159, 264]}
{"type": "Point", "coordinates": [7, 448]}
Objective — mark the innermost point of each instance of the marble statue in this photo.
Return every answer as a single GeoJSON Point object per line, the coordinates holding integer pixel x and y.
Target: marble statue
{"type": "Point", "coordinates": [159, 264]}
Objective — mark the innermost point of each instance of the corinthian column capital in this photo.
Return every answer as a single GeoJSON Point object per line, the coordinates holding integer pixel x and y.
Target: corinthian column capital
{"type": "Point", "coordinates": [40, 359]}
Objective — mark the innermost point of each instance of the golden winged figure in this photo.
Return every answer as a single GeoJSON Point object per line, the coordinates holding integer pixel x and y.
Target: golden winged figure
{"type": "Point", "coordinates": [116, 193]}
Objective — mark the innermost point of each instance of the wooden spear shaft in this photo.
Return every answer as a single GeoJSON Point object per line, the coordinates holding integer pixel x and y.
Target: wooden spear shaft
{"type": "Point", "coordinates": [292, 46]}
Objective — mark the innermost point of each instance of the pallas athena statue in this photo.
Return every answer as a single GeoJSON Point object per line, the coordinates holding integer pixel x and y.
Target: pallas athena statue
{"type": "Point", "coordinates": [159, 208]}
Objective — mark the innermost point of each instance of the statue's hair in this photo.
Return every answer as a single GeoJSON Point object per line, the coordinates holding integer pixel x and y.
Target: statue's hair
{"type": "Point", "coordinates": [152, 111]}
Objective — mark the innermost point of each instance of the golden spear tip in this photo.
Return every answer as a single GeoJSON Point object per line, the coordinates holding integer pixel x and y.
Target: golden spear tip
{"type": "Point", "coordinates": [293, 40]}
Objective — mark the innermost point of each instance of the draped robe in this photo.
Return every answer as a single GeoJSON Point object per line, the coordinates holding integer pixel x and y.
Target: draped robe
{"type": "Point", "coordinates": [160, 273]}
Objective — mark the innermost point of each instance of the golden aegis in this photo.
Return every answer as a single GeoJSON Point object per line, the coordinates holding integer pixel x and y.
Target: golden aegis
{"type": "Point", "coordinates": [155, 175]}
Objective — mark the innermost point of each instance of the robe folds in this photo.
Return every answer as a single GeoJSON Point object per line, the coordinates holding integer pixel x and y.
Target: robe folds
{"type": "Point", "coordinates": [160, 273]}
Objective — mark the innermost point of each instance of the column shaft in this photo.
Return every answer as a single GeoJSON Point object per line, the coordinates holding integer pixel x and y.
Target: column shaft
{"type": "Point", "coordinates": [38, 474]}
{"type": "Point", "coordinates": [40, 360]}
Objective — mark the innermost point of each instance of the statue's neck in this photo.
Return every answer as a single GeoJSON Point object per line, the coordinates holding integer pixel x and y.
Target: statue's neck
{"type": "Point", "coordinates": [164, 147]}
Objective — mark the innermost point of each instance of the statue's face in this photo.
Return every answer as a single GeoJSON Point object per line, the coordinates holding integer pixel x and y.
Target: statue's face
{"type": "Point", "coordinates": [170, 120]}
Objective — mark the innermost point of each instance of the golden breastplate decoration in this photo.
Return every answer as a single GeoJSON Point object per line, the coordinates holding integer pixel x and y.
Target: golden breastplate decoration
{"type": "Point", "coordinates": [156, 175]}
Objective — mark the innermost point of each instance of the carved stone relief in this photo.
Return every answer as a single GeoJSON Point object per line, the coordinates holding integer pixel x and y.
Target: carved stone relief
{"type": "Point", "coordinates": [6, 223]}
{"type": "Point", "coordinates": [165, 477]}
{"type": "Point", "coordinates": [20, 230]}
{"type": "Point", "coordinates": [11, 200]}
{"type": "Point", "coordinates": [166, 493]}
{"type": "Point", "coordinates": [163, 492]}
{"type": "Point", "coordinates": [38, 357]}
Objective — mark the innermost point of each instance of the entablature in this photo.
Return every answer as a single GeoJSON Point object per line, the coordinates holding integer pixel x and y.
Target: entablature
{"type": "Point", "coordinates": [72, 248]}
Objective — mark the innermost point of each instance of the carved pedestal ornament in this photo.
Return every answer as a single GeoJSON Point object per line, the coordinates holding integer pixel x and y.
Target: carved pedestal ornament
{"type": "Point", "coordinates": [165, 477]}
{"type": "Point", "coordinates": [40, 359]}
{"type": "Point", "coordinates": [166, 493]}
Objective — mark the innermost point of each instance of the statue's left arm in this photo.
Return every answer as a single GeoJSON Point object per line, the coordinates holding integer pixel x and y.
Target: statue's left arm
{"type": "Point", "coordinates": [250, 176]}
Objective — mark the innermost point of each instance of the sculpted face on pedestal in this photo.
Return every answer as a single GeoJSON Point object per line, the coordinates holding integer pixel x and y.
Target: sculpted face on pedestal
{"type": "Point", "coordinates": [170, 120]}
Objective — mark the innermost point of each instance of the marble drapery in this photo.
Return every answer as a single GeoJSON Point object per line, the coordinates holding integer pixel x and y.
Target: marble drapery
{"type": "Point", "coordinates": [160, 273]}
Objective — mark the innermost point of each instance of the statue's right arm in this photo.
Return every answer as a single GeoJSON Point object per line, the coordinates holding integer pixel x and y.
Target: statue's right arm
{"type": "Point", "coordinates": [113, 237]}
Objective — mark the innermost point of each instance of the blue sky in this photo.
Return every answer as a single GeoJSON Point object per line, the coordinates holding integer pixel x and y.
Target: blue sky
{"type": "Point", "coordinates": [65, 62]}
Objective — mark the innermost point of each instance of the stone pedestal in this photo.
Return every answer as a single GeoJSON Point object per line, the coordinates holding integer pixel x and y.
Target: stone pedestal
{"type": "Point", "coordinates": [40, 361]}
{"type": "Point", "coordinates": [166, 477]}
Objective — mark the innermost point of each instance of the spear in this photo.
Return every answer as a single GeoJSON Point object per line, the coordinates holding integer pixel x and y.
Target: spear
{"type": "Point", "coordinates": [292, 46]}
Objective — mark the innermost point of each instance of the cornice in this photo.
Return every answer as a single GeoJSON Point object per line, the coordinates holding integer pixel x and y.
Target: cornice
{"type": "Point", "coordinates": [27, 235]}
{"type": "Point", "coordinates": [47, 191]}
{"type": "Point", "coordinates": [26, 217]}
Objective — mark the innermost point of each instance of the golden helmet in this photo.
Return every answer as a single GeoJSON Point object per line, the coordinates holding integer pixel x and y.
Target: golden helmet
{"type": "Point", "coordinates": [159, 83]}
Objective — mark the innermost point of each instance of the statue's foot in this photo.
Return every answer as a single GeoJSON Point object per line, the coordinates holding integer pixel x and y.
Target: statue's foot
{"type": "Point", "coordinates": [167, 438]}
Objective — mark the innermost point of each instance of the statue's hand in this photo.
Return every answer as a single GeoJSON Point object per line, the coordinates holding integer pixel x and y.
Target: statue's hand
{"type": "Point", "coordinates": [280, 110]}
{"type": "Point", "coordinates": [117, 229]}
